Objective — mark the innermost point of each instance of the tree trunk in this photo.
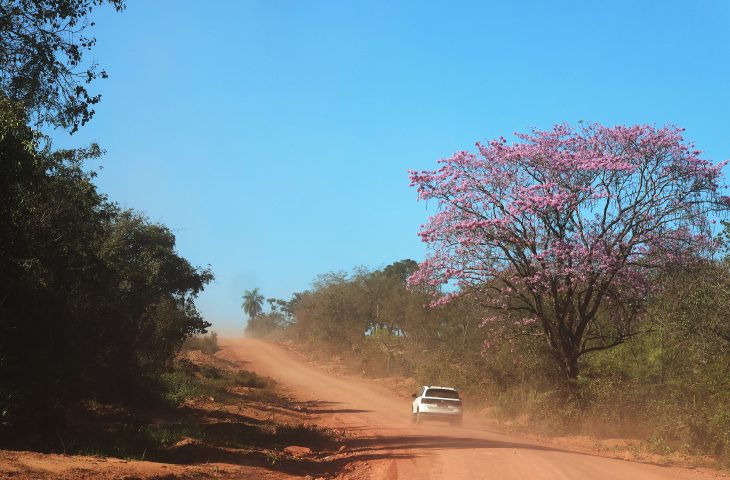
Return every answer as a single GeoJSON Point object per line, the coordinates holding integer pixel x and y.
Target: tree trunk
{"type": "Point", "coordinates": [571, 370]}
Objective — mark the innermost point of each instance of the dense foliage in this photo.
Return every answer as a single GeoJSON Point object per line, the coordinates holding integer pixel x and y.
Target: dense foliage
{"type": "Point", "coordinates": [94, 300]}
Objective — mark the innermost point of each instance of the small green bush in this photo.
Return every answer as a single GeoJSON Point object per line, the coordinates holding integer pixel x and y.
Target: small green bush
{"type": "Point", "coordinates": [179, 385]}
{"type": "Point", "coordinates": [207, 343]}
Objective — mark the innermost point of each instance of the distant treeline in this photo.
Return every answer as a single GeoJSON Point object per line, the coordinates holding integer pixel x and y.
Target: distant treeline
{"type": "Point", "coordinates": [94, 299]}
{"type": "Point", "coordinates": [670, 384]}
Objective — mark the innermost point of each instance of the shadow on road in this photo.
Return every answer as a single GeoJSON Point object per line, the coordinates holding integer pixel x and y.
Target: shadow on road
{"type": "Point", "coordinates": [438, 442]}
{"type": "Point", "coordinates": [326, 458]}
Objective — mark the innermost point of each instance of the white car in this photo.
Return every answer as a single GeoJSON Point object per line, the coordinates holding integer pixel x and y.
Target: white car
{"type": "Point", "coordinates": [438, 403]}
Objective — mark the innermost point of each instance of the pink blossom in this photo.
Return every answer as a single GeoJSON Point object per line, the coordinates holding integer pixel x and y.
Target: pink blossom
{"type": "Point", "coordinates": [570, 215]}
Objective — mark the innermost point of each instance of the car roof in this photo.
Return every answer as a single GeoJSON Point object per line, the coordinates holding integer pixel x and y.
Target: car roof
{"type": "Point", "coordinates": [436, 386]}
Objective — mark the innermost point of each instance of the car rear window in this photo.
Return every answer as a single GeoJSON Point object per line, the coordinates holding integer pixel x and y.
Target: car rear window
{"type": "Point", "coordinates": [441, 393]}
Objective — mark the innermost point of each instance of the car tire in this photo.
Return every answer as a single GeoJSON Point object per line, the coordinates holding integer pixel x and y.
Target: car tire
{"type": "Point", "coordinates": [419, 418]}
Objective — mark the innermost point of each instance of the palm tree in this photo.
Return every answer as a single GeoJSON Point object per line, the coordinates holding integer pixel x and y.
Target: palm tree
{"type": "Point", "coordinates": [253, 302]}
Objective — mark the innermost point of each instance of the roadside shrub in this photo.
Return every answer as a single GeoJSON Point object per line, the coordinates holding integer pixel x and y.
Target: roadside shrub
{"type": "Point", "coordinates": [207, 343]}
{"type": "Point", "coordinates": [244, 378]}
{"type": "Point", "coordinates": [179, 385]}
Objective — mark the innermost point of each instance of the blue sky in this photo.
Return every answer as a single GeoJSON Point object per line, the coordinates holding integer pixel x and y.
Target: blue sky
{"type": "Point", "coordinates": [274, 136]}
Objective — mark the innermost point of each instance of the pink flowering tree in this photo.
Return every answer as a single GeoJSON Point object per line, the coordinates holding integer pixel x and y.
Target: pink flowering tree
{"type": "Point", "coordinates": [559, 233]}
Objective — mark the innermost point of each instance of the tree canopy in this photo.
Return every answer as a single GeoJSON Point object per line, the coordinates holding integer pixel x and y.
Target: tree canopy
{"type": "Point", "coordinates": [42, 58]}
{"type": "Point", "coordinates": [94, 300]}
{"type": "Point", "coordinates": [564, 227]}
{"type": "Point", "coordinates": [253, 302]}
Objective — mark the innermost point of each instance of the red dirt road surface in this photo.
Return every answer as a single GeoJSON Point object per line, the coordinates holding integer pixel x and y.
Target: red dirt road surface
{"type": "Point", "coordinates": [392, 447]}
{"type": "Point", "coordinates": [374, 438]}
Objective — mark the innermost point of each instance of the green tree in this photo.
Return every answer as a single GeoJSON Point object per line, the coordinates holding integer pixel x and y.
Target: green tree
{"type": "Point", "coordinates": [253, 303]}
{"type": "Point", "coordinates": [42, 58]}
{"type": "Point", "coordinates": [94, 301]}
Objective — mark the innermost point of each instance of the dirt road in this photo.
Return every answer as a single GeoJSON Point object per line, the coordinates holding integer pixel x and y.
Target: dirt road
{"type": "Point", "coordinates": [394, 448]}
